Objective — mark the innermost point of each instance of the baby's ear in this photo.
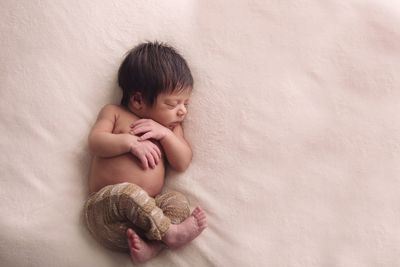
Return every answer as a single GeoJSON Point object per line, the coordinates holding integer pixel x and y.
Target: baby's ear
{"type": "Point", "coordinates": [136, 101]}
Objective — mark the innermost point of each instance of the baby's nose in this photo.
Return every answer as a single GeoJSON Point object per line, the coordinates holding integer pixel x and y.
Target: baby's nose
{"type": "Point", "coordinates": [182, 111]}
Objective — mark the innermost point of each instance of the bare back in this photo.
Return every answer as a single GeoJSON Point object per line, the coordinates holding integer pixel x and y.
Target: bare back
{"type": "Point", "coordinates": [126, 167]}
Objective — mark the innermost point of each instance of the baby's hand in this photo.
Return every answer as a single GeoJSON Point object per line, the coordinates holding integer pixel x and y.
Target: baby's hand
{"type": "Point", "coordinates": [147, 152]}
{"type": "Point", "coordinates": [149, 129]}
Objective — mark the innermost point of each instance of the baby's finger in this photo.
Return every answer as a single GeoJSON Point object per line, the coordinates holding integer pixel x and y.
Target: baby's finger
{"type": "Point", "coordinates": [151, 161]}
{"type": "Point", "coordinates": [154, 156]}
{"type": "Point", "coordinates": [146, 136]}
{"type": "Point", "coordinates": [138, 131]}
{"type": "Point", "coordinates": [138, 122]}
{"type": "Point", "coordinates": [141, 129]}
{"type": "Point", "coordinates": [144, 161]}
{"type": "Point", "coordinates": [157, 149]}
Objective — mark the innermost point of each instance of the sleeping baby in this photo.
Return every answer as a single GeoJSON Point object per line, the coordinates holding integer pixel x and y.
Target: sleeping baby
{"type": "Point", "coordinates": [132, 143]}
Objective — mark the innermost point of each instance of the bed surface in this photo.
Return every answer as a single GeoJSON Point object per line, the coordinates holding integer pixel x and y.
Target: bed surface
{"type": "Point", "coordinates": [294, 123]}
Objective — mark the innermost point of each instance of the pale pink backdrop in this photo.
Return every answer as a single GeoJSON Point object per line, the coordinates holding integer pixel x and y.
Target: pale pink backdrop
{"type": "Point", "coordinates": [295, 125]}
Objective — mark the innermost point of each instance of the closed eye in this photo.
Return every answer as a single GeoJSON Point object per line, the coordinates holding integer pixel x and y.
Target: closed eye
{"type": "Point", "coordinates": [170, 105]}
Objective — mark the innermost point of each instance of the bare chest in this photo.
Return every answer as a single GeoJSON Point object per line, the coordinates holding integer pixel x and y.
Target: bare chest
{"type": "Point", "coordinates": [124, 121]}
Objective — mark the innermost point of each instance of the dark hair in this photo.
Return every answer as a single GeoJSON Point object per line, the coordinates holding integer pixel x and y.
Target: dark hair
{"type": "Point", "coordinates": [152, 68]}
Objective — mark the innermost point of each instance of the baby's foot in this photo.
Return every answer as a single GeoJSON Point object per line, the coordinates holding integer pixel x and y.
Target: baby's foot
{"type": "Point", "coordinates": [181, 234]}
{"type": "Point", "coordinates": [140, 250]}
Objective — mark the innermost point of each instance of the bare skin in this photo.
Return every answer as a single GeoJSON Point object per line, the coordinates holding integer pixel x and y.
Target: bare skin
{"type": "Point", "coordinates": [140, 250]}
{"type": "Point", "coordinates": [177, 236]}
{"type": "Point", "coordinates": [134, 144]}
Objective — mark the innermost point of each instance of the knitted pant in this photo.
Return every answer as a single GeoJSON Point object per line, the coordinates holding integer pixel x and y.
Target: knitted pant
{"type": "Point", "coordinates": [115, 208]}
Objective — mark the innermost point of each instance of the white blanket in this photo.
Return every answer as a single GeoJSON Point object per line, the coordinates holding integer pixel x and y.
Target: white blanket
{"type": "Point", "coordinates": [294, 123]}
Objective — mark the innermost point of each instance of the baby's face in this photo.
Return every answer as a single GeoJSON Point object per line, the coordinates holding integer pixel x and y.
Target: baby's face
{"type": "Point", "coordinates": [170, 109]}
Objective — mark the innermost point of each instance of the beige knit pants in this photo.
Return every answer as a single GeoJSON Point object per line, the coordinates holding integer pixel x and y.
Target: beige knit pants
{"type": "Point", "coordinates": [115, 208]}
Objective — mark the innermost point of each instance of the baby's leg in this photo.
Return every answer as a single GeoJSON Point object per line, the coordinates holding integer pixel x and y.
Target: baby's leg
{"type": "Point", "coordinates": [141, 251]}
{"type": "Point", "coordinates": [174, 205]}
{"type": "Point", "coordinates": [105, 221]}
{"type": "Point", "coordinates": [180, 234]}
{"type": "Point", "coordinates": [115, 208]}
{"type": "Point", "coordinates": [140, 209]}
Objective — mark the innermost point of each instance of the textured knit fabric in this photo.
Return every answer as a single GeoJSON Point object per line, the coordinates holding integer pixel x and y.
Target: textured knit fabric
{"type": "Point", "coordinates": [115, 208]}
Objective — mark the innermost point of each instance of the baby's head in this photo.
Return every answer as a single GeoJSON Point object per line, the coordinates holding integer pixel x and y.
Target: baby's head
{"type": "Point", "coordinates": [156, 83]}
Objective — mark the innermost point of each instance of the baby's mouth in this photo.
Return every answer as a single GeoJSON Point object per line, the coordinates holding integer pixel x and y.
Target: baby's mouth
{"type": "Point", "coordinates": [174, 124]}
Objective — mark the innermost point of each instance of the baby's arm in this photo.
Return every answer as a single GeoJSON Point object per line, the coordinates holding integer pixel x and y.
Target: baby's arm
{"type": "Point", "coordinates": [177, 150]}
{"type": "Point", "coordinates": [103, 143]}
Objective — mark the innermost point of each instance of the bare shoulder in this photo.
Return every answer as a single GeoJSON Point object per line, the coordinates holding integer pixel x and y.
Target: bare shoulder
{"type": "Point", "coordinates": [107, 118]}
{"type": "Point", "coordinates": [120, 117]}
{"type": "Point", "coordinates": [110, 109]}
{"type": "Point", "coordinates": [113, 112]}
